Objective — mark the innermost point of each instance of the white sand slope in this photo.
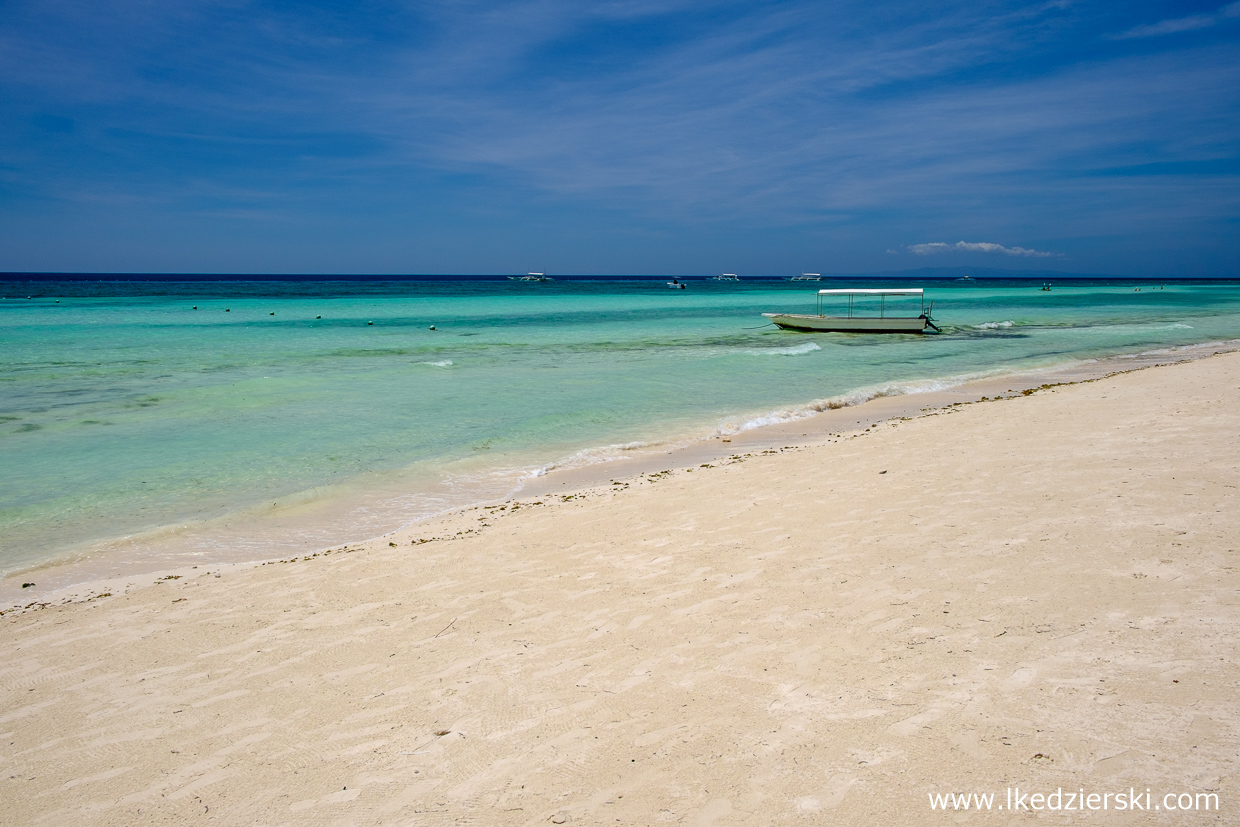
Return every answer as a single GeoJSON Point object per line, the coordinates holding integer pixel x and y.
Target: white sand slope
{"type": "Point", "coordinates": [1039, 592]}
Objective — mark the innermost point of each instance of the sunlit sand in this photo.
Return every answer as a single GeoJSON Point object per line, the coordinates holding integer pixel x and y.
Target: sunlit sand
{"type": "Point", "coordinates": [1035, 591]}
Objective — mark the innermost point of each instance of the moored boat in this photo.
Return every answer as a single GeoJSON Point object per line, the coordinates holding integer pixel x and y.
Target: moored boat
{"type": "Point", "coordinates": [853, 323]}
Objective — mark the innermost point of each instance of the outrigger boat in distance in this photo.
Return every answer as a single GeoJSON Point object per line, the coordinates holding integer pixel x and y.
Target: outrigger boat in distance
{"type": "Point", "coordinates": [532, 277]}
{"type": "Point", "coordinates": [882, 323]}
{"type": "Point", "coordinates": [806, 277]}
{"type": "Point", "coordinates": [726, 277]}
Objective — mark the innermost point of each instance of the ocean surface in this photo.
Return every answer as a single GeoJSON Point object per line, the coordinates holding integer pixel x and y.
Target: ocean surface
{"type": "Point", "coordinates": [213, 416]}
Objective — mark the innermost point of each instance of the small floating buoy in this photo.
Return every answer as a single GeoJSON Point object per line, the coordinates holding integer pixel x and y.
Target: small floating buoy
{"type": "Point", "coordinates": [227, 310]}
{"type": "Point", "coordinates": [318, 317]}
{"type": "Point", "coordinates": [432, 327]}
{"type": "Point", "coordinates": [369, 323]}
{"type": "Point", "coordinates": [272, 313]}
{"type": "Point", "coordinates": [195, 307]}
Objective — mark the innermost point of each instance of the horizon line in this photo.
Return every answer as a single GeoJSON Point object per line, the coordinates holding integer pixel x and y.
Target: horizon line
{"type": "Point", "coordinates": [921, 272]}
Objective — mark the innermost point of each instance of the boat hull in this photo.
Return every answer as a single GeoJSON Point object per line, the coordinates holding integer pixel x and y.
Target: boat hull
{"type": "Point", "coordinates": [843, 324]}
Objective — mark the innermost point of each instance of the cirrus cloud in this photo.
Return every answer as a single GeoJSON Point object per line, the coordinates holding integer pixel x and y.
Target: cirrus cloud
{"type": "Point", "coordinates": [976, 247]}
{"type": "Point", "coordinates": [1183, 24]}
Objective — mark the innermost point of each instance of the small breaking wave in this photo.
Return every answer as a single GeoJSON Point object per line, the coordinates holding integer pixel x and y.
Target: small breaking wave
{"type": "Point", "coordinates": [589, 456]}
{"type": "Point", "coordinates": [994, 325]}
{"type": "Point", "coordinates": [794, 350]}
{"type": "Point", "coordinates": [847, 400]}
{"type": "Point", "coordinates": [445, 363]}
{"type": "Point", "coordinates": [1199, 347]}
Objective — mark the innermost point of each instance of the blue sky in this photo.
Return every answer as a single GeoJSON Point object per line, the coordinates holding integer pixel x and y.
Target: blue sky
{"type": "Point", "coordinates": [621, 136]}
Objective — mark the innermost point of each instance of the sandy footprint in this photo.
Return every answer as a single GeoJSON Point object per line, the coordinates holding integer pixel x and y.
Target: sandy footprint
{"type": "Point", "coordinates": [968, 743]}
{"type": "Point", "coordinates": [911, 725]}
{"type": "Point", "coordinates": [715, 810]}
{"type": "Point", "coordinates": [1020, 678]}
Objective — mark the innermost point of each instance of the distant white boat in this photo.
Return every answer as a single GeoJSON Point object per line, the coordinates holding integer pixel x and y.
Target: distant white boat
{"type": "Point", "coordinates": [882, 323]}
{"type": "Point", "coordinates": [726, 277]}
{"type": "Point", "coordinates": [676, 284]}
{"type": "Point", "coordinates": [532, 277]}
{"type": "Point", "coordinates": [806, 277]}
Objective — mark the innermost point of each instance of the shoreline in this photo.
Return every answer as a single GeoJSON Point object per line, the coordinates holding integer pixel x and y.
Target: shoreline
{"type": "Point", "coordinates": [1036, 592]}
{"type": "Point", "coordinates": [76, 579]}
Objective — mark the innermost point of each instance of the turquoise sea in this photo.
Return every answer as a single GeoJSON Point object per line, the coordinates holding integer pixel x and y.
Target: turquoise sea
{"type": "Point", "coordinates": [127, 407]}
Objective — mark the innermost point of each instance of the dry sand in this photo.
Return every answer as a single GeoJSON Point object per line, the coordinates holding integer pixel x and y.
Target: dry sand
{"type": "Point", "coordinates": [1038, 592]}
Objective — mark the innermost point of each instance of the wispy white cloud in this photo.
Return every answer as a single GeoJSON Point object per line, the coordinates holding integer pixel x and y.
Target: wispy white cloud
{"type": "Point", "coordinates": [1182, 24]}
{"type": "Point", "coordinates": [746, 121]}
{"type": "Point", "coordinates": [832, 121]}
{"type": "Point", "coordinates": [976, 247]}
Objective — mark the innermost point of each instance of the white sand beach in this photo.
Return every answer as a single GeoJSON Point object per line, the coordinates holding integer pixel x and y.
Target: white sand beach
{"type": "Point", "coordinates": [1039, 591]}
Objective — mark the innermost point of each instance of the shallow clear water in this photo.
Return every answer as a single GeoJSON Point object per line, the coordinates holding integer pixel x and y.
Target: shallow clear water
{"type": "Point", "coordinates": [122, 408]}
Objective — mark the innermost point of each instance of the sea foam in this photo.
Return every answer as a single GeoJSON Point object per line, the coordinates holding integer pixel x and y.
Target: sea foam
{"type": "Point", "coordinates": [850, 399]}
{"type": "Point", "coordinates": [589, 456]}
{"type": "Point", "coordinates": [793, 350]}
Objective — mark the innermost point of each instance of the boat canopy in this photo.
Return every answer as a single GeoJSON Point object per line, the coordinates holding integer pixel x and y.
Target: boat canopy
{"type": "Point", "coordinates": [910, 291]}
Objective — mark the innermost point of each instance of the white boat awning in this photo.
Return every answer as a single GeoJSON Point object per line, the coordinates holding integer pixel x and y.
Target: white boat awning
{"type": "Point", "coordinates": [910, 291]}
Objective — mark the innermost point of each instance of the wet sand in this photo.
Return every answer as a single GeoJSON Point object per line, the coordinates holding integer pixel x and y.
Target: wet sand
{"type": "Point", "coordinates": [1036, 591]}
